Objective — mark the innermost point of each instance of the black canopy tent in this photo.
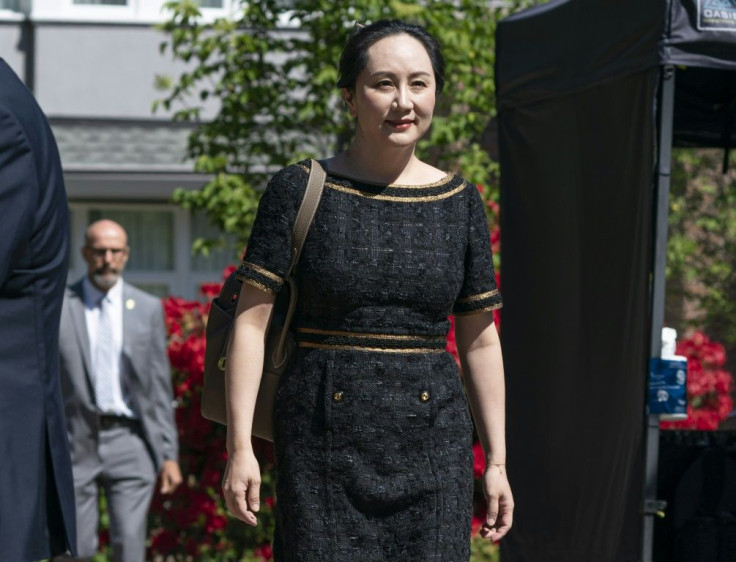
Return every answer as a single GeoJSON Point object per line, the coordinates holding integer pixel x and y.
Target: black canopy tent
{"type": "Point", "coordinates": [592, 95]}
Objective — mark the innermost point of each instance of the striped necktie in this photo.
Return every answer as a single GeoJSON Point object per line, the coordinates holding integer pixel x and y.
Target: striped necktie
{"type": "Point", "coordinates": [103, 358]}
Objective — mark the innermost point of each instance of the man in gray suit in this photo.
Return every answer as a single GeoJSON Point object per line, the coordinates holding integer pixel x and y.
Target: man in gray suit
{"type": "Point", "coordinates": [116, 384]}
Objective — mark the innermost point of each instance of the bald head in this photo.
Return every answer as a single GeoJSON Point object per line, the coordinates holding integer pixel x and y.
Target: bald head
{"type": "Point", "coordinates": [105, 228]}
{"type": "Point", "coordinates": [106, 253]}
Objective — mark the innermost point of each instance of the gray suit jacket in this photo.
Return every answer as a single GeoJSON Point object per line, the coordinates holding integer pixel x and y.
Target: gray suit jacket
{"type": "Point", "coordinates": [144, 351]}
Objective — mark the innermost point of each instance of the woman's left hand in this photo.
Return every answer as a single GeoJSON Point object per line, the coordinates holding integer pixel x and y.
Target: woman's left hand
{"type": "Point", "coordinates": [500, 508]}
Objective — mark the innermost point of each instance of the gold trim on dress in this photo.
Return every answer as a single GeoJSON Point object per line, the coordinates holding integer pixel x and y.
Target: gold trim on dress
{"type": "Point", "coordinates": [264, 272]}
{"type": "Point", "coordinates": [484, 309]}
{"type": "Point", "coordinates": [258, 285]}
{"type": "Point", "coordinates": [479, 297]}
{"type": "Point", "coordinates": [363, 348]}
{"type": "Point", "coordinates": [446, 179]}
{"type": "Point", "coordinates": [368, 335]}
{"type": "Point", "coordinates": [396, 198]}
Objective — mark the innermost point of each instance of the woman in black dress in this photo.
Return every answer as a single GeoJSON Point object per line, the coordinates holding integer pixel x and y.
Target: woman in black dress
{"type": "Point", "coordinates": [373, 435]}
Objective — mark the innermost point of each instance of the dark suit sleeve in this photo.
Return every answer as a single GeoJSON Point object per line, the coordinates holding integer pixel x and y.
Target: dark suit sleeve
{"type": "Point", "coordinates": [18, 191]}
{"type": "Point", "coordinates": [163, 396]}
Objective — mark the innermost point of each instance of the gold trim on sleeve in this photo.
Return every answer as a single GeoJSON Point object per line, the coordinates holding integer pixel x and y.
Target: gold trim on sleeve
{"type": "Point", "coordinates": [484, 309]}
{"type": "Point", "coordinates": [264, 272]}
{"type": "Point", "coordinates": [258, 285]}
{"type": "Point", "coordinates": [479, 297]}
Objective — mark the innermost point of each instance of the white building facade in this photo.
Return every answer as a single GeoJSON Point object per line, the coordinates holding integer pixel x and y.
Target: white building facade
{"type": "Point", "coordinates": [92, 65]}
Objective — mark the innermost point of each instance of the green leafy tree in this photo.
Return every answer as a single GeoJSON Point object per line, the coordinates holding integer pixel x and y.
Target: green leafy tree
{"type": "Point", "coordinates": [273, 71]}
{"type": "Point", "coordinates": [701, 255]}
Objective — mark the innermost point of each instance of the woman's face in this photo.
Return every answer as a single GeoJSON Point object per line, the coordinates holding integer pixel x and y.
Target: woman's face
{"type": "Point", "coordinates": [394, 94]}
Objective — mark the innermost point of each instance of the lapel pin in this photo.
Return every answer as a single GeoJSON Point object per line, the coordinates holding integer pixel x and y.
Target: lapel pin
{"type": "Point", "coordinates": [130, 304]}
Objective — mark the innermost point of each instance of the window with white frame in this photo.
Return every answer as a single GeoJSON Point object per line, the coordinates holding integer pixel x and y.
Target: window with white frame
{"type": "Point", "coordinates": [219, 4]}
{"type": "Point", "coordinates": [12, 5]}
{"type": "Point", "coordinates": [118, 11]}
{"type": "Point", "coordinates": [102, 2]}
{"type": "Point", "coordinates": [160, 237]}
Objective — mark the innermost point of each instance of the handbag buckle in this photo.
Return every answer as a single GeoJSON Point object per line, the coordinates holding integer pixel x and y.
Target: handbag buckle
{"type": "Point", "coordinates": [221, 363]}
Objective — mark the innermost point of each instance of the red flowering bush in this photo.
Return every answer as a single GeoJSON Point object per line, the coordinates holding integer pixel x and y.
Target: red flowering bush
{"type": "Point", "coordinates": [708, 385]}
{"type": "Point", "coordinates": [192, 524]}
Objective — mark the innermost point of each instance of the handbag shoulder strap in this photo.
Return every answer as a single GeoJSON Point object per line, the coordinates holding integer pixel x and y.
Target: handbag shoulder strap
{"type": "Point", "coordinates": [303, 221]}
{"type": "Point", "coordinates": [307, 210]}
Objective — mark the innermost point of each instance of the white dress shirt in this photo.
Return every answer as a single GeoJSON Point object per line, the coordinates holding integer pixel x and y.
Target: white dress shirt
{"type": "Point", "coordinates": [92, 297]}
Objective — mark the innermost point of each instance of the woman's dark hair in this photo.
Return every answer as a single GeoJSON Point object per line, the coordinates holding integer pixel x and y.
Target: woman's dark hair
{"type": "Point", "coordinates": [355, 54]}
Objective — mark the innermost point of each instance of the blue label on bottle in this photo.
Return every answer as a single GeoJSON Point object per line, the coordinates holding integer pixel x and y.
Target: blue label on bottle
{"type": "Point", "coordinates": [667, 386]}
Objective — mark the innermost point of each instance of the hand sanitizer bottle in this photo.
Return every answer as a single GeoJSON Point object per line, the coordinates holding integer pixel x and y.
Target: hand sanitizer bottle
{"type": "Point", "coordinates": [668, 381]}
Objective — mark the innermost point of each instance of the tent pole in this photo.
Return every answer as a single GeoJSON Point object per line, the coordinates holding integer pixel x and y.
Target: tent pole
{"type": "Point", "coordinates": [651, 506]}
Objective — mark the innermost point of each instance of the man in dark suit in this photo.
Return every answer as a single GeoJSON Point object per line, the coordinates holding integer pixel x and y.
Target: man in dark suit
{"type": "Point", "coordinates": [36, 494]}
{"type": "Point", "coordinates": [116, 383]}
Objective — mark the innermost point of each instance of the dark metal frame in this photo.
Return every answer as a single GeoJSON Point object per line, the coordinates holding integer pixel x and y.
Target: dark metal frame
{"type": "Point", "coordinates": [651, 506]}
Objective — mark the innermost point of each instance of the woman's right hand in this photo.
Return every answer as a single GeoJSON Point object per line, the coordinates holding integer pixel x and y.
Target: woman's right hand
{"type": "Point", "coordinates": [241, 486]}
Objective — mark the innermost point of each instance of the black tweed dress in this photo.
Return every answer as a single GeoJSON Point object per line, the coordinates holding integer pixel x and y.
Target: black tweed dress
{"type": "Point", "coordinates": [373, 432]}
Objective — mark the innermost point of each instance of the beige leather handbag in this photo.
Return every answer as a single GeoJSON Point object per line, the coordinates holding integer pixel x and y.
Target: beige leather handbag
{"type": "Point", "coordinates": [280, 343]}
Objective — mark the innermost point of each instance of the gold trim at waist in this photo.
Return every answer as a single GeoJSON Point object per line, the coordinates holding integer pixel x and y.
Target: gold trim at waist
{"type": "Point", "coordinates": [395, 337]}
{"type": "Point", "coordinates": [363, 348]}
